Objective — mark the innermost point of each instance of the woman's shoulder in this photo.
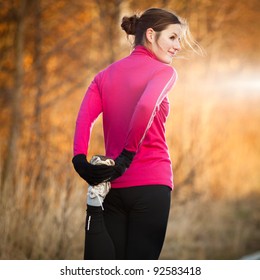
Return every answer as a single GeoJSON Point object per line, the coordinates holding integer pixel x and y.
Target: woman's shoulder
{"type": "Point", "coordinates": [165, 70]}
{"type": "Point", "coordinates": [126, 65]}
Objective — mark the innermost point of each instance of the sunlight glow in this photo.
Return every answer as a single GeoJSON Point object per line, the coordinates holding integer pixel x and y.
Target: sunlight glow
{"type": "Point", "coordinates": [251, 83]}
{"type": "Point", "coordinates": [240, 83]}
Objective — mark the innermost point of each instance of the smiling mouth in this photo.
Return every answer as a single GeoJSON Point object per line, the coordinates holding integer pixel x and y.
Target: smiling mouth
{"type": "Point", "coordinates": [172, 54]}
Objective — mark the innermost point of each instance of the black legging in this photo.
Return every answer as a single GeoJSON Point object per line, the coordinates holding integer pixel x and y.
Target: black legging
{"type": "Point", "coordinates": [131, 227]}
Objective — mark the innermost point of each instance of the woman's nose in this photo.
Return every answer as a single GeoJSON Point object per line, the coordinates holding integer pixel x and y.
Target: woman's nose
{"type": "Point", "coordinates": [177, 45]}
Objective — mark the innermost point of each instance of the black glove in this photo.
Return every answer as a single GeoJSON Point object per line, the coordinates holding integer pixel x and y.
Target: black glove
{"type": "Point", "coordinates": [122, 162]}
{"type": "Point", "coordinates": [93, 174]}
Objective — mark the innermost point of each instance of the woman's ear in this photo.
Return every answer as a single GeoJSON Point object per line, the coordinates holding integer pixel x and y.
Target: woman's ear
{"type": "Point", "coordinates": [150, 34]}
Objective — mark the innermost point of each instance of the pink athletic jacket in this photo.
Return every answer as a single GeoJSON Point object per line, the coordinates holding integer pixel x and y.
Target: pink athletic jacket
{"type": "Point", "coordinates": [132, 95]}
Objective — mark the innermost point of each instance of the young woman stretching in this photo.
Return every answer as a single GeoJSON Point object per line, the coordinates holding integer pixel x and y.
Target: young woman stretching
{"type": "Point", "coordinates": [132, 95]}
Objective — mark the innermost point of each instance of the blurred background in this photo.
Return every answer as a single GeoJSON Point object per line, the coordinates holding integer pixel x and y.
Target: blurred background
{"type": "Point", "coordinates": [49, 53]}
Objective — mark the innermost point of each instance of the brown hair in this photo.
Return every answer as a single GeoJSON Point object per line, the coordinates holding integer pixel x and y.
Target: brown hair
{"type": "Point", "coordinates": [158, 20]}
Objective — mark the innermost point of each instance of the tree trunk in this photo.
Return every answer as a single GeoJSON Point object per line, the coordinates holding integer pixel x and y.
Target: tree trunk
{"type": "Point", "coordinates": [9, 165]}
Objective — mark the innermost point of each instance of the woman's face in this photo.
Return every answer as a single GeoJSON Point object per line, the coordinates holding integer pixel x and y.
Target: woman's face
{"type": "Point", "coordinates": [165, 44]}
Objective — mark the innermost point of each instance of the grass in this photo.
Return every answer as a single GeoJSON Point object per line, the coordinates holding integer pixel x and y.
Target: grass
{"type": "Point", "coordinates": [213, 229]}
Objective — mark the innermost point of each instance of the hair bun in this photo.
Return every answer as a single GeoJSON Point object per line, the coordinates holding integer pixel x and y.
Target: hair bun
{"type": "Point", "coordinates": [129, 24]}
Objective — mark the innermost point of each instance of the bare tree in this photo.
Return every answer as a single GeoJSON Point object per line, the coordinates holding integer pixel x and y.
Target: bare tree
{"type": "Point", "coordinates": [109, 12]}
{"type": "Point", "coordinates": [9, 164]}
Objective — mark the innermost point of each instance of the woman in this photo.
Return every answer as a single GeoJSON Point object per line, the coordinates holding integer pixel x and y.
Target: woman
{"type": "Point", "coordinates": [132, 95]}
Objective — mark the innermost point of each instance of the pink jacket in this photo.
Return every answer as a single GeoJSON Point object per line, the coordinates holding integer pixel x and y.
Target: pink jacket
{"type": "Point", "coordinates": [132, 95]}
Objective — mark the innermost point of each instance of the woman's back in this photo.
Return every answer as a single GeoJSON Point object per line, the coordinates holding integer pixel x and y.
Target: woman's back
{"type": "Point", "coordinates": [132, 90]}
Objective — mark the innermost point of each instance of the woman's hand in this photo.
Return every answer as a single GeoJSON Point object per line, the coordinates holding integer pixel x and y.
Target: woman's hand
{"type": "Point", "coordinates": [122, 162]}
{"type": "Point", "coordinates": [92, 174]}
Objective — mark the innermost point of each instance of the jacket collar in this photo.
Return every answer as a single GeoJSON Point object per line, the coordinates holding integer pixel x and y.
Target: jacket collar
{"type": "Point", "coordinates": [143, 51]}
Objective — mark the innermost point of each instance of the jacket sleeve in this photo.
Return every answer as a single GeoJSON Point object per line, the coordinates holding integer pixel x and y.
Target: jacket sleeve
{"type": "Point", "coordinates": [154, 93]}
{"type": "Point", "coordinates": [90, 109]}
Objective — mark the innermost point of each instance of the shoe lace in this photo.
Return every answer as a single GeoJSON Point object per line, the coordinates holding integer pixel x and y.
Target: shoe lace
{"type": "Point", "coordinates": [95, 192]}
{"type": "Point", "coordinates": [98, 191]}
